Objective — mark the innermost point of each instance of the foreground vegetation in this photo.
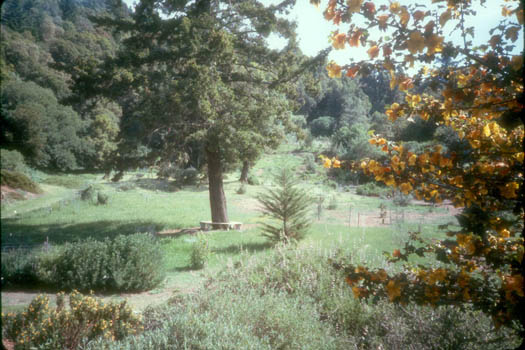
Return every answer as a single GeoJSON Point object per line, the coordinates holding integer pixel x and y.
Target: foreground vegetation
{"type": "Point", "coordinates": [286, 296]}
{"type": "Point", "coordinates": [293, 298]}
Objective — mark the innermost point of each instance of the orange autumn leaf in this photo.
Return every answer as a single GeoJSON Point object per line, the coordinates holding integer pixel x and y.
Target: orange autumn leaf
{"type": "Point", "coordinates": [338, 41]}
{"type": "Point", "coordinates": [418, 15]}
{"type": "Point", "coordinates": [406, 187]}
{"type": "Point", "coordinates": [395, 7]}
{"type": "Point", "coordinates": [352, 72]}
{"type": "Point", "coordinates": [434, 44]}
{"type": "Point", "coordinates": [393, 290]}
{"type": "Point", "coordinates": [445, 16]}
{"type": "Point", "coordinates": [382, 21]}
{"type": "Point", "coordinates": [404, 17]}
{"type": "Point", "coordinates": [334, 70]}
{"type": "Point", "coordinates": [373, 52]}
{"type": "Point", "coordinates": [416, 42]}
{"type": "Point", "coordinates": [354, 39]}
{"type": "Point", "coordinates": [354, 5]}
{"type": "Point", "coordinates": [406, 84]}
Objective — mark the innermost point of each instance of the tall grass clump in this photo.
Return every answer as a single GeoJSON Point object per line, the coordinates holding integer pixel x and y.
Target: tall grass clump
{"type": "Point", "coordinates": [200, 253]}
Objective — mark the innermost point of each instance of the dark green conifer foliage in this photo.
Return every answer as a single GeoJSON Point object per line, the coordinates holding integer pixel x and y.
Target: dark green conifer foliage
{"type": "Point", "coordinates": [289, 206]}
{"type": "Point", "coordinates": [201, 81]}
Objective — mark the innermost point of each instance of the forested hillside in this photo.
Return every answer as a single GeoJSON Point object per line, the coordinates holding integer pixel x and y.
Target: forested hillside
{"type": "Point", "coordinates": [46, 45]}
{"type": "Point", "coordinates": [43, 43]}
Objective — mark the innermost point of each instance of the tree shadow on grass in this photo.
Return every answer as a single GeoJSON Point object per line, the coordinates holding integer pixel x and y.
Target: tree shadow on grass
{"type": "Point", "coordinates": [247, 247]}
{"type": "Point", "coordinates": [16, 233]}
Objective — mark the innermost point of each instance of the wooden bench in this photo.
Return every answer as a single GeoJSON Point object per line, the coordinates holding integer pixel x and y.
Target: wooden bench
{"type": "Point", "coordinates": [225, 226]}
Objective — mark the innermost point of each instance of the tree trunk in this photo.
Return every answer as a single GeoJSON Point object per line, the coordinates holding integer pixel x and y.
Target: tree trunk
{"type": "Point", "coordinates": [219, 211]}
{"type": "Point", "coordinates": [244, 171]}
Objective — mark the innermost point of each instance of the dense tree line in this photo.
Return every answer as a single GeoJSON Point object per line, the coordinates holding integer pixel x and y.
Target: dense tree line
{"type": "Point", "coordinates": [42, 43]}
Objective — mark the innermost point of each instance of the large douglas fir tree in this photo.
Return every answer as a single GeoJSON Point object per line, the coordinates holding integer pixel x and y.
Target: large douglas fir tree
{"type": "Point", "coordinates": [200, 75]}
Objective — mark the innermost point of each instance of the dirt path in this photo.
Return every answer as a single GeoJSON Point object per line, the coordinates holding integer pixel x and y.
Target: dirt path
{"type": "Point", "coordinates": [137, 301]}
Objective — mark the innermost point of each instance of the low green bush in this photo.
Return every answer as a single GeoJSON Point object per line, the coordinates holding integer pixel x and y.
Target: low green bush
{"type": "Point", "coordinates": [86, 319]}
{"type": "Point", "coordinates": [89, 194]}
{"type": "Point", "coordinates": [126, 263]}
{"type": "Point", "coordinates": [372, 189]}
{"type": "Point", "coordinates": [102, 198]}
{"type": "Point", "coordinates": [18, 268]}
{"type": "Point", "coordinates": [18, 180]}
{"type": "Point", "coordinates": [253, 180]}
{"type": "Point", "coordinates": [200, 253]}
{"type": "Point", "coordinates": [135, 262]}
{"type": "Point", "coordinates": [83, 265]}
{"type": "Point", "coordinates": [13, 161]}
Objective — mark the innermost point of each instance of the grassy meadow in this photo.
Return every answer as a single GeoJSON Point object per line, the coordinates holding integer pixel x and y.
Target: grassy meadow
{"type": "Point", "coordinates": [143, 203]}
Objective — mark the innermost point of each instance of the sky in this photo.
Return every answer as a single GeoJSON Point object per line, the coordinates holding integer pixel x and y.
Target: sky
{"type": "Point", "coordinates": [314, 31]}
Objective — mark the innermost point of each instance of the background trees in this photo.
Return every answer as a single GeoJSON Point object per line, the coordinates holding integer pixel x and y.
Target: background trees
{"type": "Point", "coordinates": [41, 43]}
{"type": "Point", "coordinates": [479, 98]}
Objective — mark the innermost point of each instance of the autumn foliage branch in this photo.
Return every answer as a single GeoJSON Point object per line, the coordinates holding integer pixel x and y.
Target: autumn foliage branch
{"type": "Point", "coordinates": [475, 91]}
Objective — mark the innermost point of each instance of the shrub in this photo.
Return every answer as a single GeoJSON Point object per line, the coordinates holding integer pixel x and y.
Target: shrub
{"type": "Point", "coordinates": [372, 189]}
{"type": "Point", "coordinates": [18, 180]}
{"type": "Point", "coordinates": [188, 177]}
{"type": "Point", "coordinates": [88, 194]}
{"type": "Point", "coordinates": [102, 198]}
{"type": "Point", "coordinates": [253, 180]}
{"type": "Point", "coordinates": [309, 162]}
{"type": "Point", "coordinates": [86, 319]}
{"type": "Point", "coordinates": [322, 126]}
{"type": "Point", "coordinates": [200, 253]}
{"type": "Point", "coordinates": [127, 263]}
{"type": "Point", "coordinates": [83, 265]}
{"type": "Point", "coordinates": [135, 262]}
{"type": "Point", "coordinates": [289, 206]}
{"type": "Point", "coordinates": [18, 268]}
{"type": "Point", "coordinates": [13, 161]}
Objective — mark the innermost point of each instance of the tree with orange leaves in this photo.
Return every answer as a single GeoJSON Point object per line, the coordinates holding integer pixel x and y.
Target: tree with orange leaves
{"type": "Point", "coordinates": [480, 98]}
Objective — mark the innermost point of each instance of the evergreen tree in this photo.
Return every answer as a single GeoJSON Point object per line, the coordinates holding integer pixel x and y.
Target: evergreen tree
{"type": "Point", "coordinates": [203, 76]}
{"type": "Point", "coordinates": [288, 205]}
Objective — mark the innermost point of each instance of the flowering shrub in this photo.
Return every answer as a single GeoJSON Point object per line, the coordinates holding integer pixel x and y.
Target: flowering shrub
{"type": "Point", "coordinates": [87, 318]}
